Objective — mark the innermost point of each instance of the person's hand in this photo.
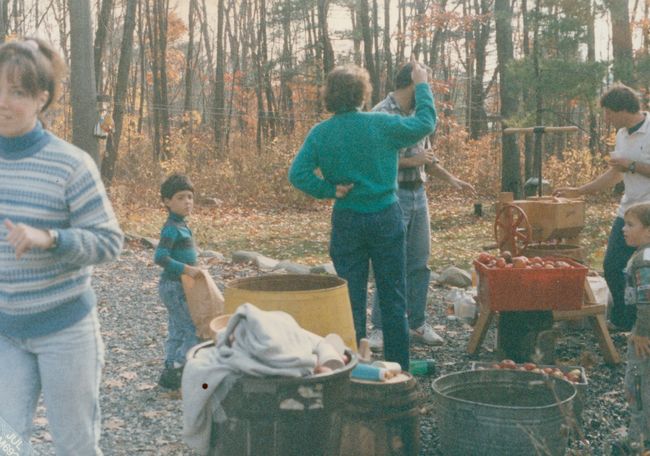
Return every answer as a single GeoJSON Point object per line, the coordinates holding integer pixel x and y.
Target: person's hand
{"type": "Point", "coordinates": [343, 189]}
{"type": "Point", "coordinates": [24, 237]}
{"type": "Point", "coordinates": [461, 185]}
{"type": "Point", "coordinates": [424, 157]}
{"type": "Point", "coordinates": [567, 192]}
{"type": "Point", "coordinates": [192, 271]}
{"type": "Point", "coordinates": [641, 345]}
{"type": "Point", "coordinates": [419, 73]}
{"type": "Point", "coordinates": [620, 164]}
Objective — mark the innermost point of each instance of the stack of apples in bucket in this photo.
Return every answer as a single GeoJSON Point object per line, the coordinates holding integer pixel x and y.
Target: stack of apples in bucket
{"type": "Point", "coordinates": [573, 375]}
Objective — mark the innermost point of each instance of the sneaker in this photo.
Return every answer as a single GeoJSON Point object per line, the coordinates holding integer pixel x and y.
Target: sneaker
{"type": "Point", "coordinates": [170, 378]}
{"type": "Point", "coordinates": [376, 340]}
{"type": "Point", "coordinates": [425, 335]}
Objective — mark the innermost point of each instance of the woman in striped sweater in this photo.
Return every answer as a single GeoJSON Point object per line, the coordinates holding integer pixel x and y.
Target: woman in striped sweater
{"type": "Point", "coordinates": [55, 223]}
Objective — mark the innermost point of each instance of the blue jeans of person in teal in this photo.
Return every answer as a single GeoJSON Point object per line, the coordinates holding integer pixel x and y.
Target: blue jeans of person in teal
{"type": "Point", "coordinates": [415, 216]}
{"type": "Point", "coordinates": [616, 257]}
{"type": "Point", "coordinates": [66, 367]}
{"type": "Point", "coordinates": [181, 332]}
{"type": "Point", "coordinates": [357, 239]}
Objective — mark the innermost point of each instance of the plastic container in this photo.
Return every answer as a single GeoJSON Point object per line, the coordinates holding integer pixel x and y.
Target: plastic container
{"type": "Point", "coordinates": [517, 289]}
{"type": "Point", "coordinates": [422, 367]}
{"type": "Point", "coordinates": [319, 303]}
{"type": "Point", "coordinates": [368, 372]}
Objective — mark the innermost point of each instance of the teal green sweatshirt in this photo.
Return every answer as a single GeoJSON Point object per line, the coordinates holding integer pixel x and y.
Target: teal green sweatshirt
{"type": "Point", "coordinates": [361, 148]}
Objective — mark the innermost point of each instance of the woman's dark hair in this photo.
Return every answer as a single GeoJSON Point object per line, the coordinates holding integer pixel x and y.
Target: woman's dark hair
{"type": "Point", "coordinates": [621, 98]}
{"type": "Point", "coordinates": [34, 64]}
{"type": "Point", "coordinates": [347, 89]}
{"type": "Point", "coordinates": [403, 77]}
{"type": "Point", "coordinates": [640, 211]}
{"type": "Point", "coordinates": [174, 184]}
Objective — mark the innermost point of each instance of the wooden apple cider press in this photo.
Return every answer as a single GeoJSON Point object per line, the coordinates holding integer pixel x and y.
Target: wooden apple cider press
{"type": "Point", "coordinates": [539, 225]}
{"type": "Point", "coordinates": [542, 226]}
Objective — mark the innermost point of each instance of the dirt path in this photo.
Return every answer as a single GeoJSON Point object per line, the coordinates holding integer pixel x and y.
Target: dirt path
{"type": "Point", "coordinates": [140, 419]}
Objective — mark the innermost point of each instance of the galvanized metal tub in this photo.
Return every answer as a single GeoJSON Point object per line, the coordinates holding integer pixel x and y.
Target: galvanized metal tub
{"type": "Point", "coordinates": [502, 412]}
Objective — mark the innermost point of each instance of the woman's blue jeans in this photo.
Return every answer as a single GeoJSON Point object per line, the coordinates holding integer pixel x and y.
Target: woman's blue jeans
{"type": "Point", "coordinates": [360, 238]}
{"type": "Point", "coordinates": [66, 367]}
{"type": "Point", "coordinates": [415, 216]}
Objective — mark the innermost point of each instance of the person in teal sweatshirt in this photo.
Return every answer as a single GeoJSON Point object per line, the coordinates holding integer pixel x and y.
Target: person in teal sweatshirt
{"type": "Point", "coordinates": [357, 154]}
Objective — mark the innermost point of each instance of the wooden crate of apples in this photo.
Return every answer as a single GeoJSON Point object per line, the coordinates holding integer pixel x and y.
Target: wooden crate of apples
{"type": "Point", "coordinates": [507, 283]}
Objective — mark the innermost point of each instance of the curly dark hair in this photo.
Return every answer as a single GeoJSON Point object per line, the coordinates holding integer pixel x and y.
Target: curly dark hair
{"type": "Point", "coordinates": [174, 184]}
{"type": "Point", "coordinates": [621, 98]}
{"type": "Point", "coordinates": [347, 89]}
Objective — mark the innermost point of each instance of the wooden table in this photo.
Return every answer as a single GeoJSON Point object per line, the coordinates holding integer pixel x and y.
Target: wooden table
{"type": "Point", "coordinates": [596, 313]}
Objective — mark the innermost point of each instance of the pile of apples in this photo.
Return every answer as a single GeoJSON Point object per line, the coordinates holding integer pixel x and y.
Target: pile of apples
{"type": "Point", "coordinates": [574, 375]}
{"type": "Point", "coordinates": [506, 261]}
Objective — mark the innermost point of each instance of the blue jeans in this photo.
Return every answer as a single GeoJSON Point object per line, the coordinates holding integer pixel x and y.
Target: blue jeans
{"type": "Point", "coordinates": [181, 332]}
{"type": "Point", "coordinates": [66, 366]}
{"type": "Point", "coordinates": [415, 216]}
{"type": "Point", "coordinates": [616, 257]}
{"type": "Point", "coordinates": [637, 394]}
{"type": "Point", "coordinates": [358, 238]}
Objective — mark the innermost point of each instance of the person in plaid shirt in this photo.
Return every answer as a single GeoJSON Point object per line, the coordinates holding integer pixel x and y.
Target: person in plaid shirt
{"type": "Point", "coordinates": [637, 293]}
{"type": "Point", "coordinates": [415, 215]}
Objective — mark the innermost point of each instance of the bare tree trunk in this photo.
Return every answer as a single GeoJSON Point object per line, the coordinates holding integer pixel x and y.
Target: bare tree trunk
{"type": "Point", "coordinates": [481, 33]}
{"type": "Point", "coordinates": [356, 38]}
{"type": "Point", "coordinates": [591, 57]}
{"type": "Point", "coordinates": [152, 25]}
{"type": "Point", "coordinates": [113, 141]}
{"type": "Point", "coordinates": [82, 79]}
{"type": "Point", "coordinates": [141, 39]}
{"type": "Point", "coordinates": [388, 59]}
{"type": "Point", "coordinates": [621, 41]}
{"type": "Point", "coordinates": [377, 54]}
{"type": "Point", "coordinates": [510, 178]}
{"type": "Point", "coordinates": [103, 23]}
{"type": "Point", "coordinates": [437, 40]}
{"type": "Point", "coordinates": [219, 84]}
{"type": "Point", "coordinates": [4, 19]}
{"type": "Point", "coordinates": [325, 43]}
{"type": "Point", "coordinates": [266, 76]}
{"type": "Point", "coordinates": [401, 28]}
{"type": "Point", "coordinates": [189, 59]}
{"type": "Point", "coordinates": [286, 69]}
{"type": "Point", "coordinates": [364, 18]}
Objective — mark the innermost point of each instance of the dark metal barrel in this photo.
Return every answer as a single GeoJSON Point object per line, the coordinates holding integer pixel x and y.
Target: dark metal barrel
{"type": "Point", "coordinates": [282, 416]}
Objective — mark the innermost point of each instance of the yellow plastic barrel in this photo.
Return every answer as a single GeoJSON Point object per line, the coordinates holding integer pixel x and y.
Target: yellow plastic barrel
{"type": "Point", "coordinates": [319, 303]}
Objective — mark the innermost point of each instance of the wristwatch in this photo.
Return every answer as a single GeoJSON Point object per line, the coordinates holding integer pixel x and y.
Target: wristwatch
{"type": "Point", "coordinates": [632, 167]}
{"type": "Point", "coordinates": [54, 234]}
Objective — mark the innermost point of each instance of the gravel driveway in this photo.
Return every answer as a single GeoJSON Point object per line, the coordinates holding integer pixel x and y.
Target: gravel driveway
{"type": "Point", "coordinates": [141, 419]}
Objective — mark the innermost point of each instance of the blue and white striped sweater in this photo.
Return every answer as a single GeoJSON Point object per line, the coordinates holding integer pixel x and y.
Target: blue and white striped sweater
{"type": "Point", "coordinates": [48, 183]}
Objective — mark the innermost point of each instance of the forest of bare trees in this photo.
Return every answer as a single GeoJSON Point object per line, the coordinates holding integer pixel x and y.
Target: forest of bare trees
{"type": "Point", "coordinates": [233, 72]}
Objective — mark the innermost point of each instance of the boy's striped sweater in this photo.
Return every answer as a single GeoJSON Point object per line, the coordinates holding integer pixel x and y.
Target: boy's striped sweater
{"type": "Point", "coordinates": [48, 183]}
{"type": "Point", "coordinates": [176, 247]}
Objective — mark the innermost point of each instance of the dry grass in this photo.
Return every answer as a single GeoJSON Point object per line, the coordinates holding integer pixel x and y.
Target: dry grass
{"type": "Point", "coordinates": [302, 235]}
